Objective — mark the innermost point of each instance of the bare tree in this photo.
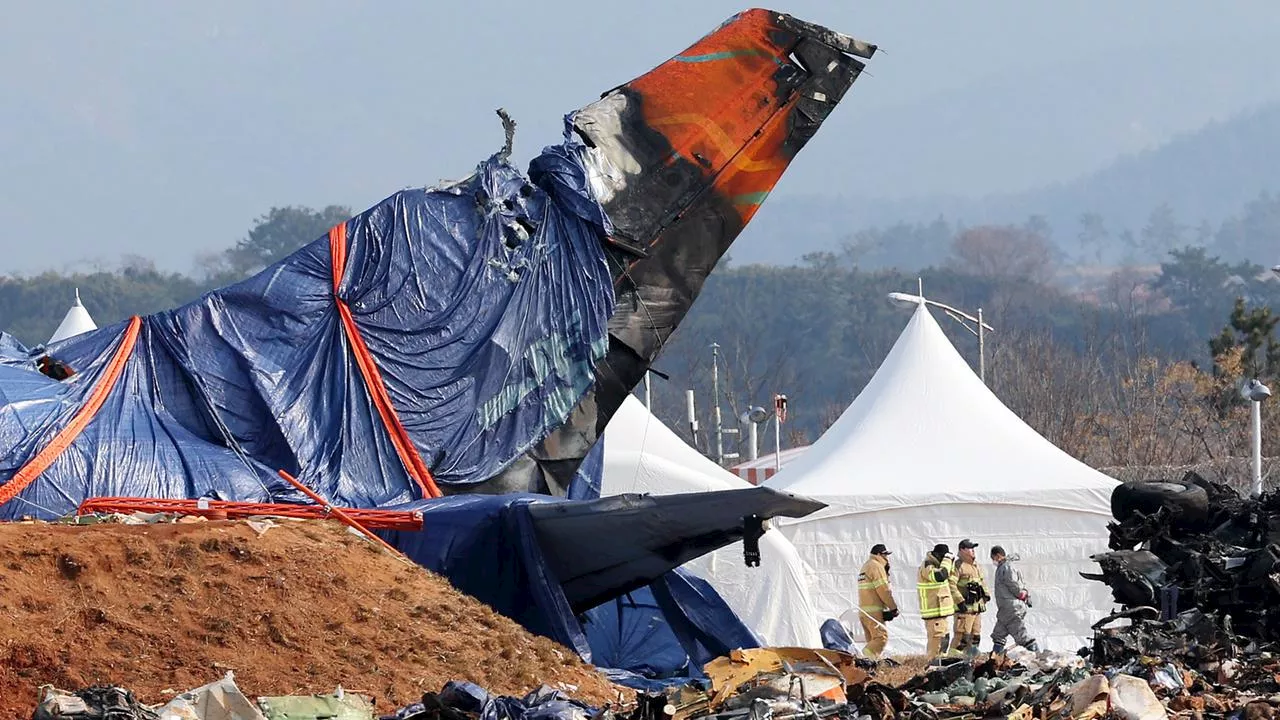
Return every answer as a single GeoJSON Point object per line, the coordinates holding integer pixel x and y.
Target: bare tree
{"type": "Point", "coordinates": [1004, 252]}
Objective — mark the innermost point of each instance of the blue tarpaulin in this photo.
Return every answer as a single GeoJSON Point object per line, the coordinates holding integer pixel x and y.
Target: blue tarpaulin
{"type": "Point", "coordinates": [835, 637]}
{"type": "Point", "coordinates": [587, 478]}
{"type": "Point", "coordinates": [665, 633]}
{"type": "Point", "coordinates": [468, 698]}
{"type": "Point", "coordinates": [483, 307]}
{"type": "Point", "coordinates": [487, 547]}
{"type": "Point", "coordinates": [14, 353]}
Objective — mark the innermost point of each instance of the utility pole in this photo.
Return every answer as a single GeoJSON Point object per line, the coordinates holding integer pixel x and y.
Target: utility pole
{"type": "Point", "coordinates": [721, 430]}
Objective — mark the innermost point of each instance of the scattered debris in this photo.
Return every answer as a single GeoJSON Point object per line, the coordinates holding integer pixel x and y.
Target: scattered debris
{"type": "Point", "coordinates": [99, 702]}
{"type": "Point", "coordinates": [219, 700]}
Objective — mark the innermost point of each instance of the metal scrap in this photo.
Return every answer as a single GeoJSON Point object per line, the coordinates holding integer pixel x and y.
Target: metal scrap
{"type": "Point", "coordinates": [745, 675]}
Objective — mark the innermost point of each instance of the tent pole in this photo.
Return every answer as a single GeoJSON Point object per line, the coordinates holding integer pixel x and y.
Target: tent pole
{"type": "Point", "coordinates": [982, 350]}
{"type": "Point", "coordinates": [715, 400]}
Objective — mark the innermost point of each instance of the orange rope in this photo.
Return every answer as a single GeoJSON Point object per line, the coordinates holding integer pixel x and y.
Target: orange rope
{"type": "Point", "coordinates": [46, 457]}
{"type": "Point", "coordinates": [404, 446]}
{"type": "Point", "coordinates": [329, 507]}
{"type": "Point", "coordinates": [371, 518]}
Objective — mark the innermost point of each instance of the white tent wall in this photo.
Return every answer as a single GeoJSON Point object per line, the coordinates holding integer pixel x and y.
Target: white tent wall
{"type": "Point", "coordinates": [642, 455]}
{"type": "Point", "coordinates": [926, 454]}
{"type": "Point", "coordinates": [1055, 543]}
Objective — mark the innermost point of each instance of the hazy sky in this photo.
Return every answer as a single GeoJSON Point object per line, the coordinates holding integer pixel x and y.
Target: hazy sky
{"type": "Point", "coordinates": [162, 129]}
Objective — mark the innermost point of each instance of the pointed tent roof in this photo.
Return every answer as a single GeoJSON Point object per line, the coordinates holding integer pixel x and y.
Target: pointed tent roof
{"type": "Point", "coordinates": [75, 322]}
{"type": "Point", "coordinates": [642, 455]}
{"type": "Point", "coordinates": [926, 430]}
{"type": "Point", "coordinates": [927, 454]}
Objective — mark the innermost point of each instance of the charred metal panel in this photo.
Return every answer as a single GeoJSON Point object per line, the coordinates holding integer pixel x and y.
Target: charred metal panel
{"type": "Point", "coordinates": [681, 158]}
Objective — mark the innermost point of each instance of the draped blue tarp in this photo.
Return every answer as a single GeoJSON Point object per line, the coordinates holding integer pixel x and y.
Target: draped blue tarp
{"type": "Point", "coordinates": [14, 353]}
{"type": "Point", "coordinates": [665, 633]}
{"type": "Point", "coordinates": [484, 305]}
{"type": "Point", "coordinates": [632, 635]}
{"type": "Point", "coordinates": [586, 480]}
{"type": "Point", "coordinates": [487, 547]}
{"type": "Point", "coordinates": [835, 637]}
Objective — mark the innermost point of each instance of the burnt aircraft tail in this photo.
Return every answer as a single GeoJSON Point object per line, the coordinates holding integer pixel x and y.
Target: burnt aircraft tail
{"type": "Point", "coordinates": [681, 158]}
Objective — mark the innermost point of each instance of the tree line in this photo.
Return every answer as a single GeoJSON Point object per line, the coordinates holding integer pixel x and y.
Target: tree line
{"type": "Point", "coordinates": [1119, 365]}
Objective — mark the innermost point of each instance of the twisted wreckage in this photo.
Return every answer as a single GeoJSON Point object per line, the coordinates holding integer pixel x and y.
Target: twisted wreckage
{"type": "Point", "coordinates": [457, 350]}
{"type": "Point", "coordinates": [1196, 569]}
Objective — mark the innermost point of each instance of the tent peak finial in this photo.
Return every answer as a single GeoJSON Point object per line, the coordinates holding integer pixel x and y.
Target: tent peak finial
{"type": "Point", "coordinates": [77, 296]}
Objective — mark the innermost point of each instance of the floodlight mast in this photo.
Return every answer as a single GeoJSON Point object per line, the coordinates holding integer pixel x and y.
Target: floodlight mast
{"type": "Point", "coordinates": [1255, 392]}
{"type": "Point", "coordinates": [907, 300]}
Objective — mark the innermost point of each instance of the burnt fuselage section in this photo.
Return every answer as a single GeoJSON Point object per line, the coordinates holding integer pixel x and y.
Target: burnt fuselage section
{"type": "Point", "coordinates": [681, 158]}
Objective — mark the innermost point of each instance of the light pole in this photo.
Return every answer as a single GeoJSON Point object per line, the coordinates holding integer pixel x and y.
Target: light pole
{"type": "Point", "coordinates": [752, 419]}
{"type": "Point", "coordinates": [908, 300]}
{"type": "Point", "coordinates": [1255, 392]}
{"type": "Point", "coordinates": [779, 417]}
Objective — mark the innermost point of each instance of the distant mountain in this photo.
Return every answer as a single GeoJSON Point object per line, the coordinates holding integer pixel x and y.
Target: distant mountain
{"type": "Point", "coordinates": [1206, 175]}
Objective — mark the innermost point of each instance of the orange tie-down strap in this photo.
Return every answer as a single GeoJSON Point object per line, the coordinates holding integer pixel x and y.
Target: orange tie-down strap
{"type": "Point", "coordinates": [67, 435]}
{"type": "Point", "coordinates": [409, 456]}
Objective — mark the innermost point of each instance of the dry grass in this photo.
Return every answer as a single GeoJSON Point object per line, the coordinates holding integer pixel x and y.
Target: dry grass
{"type": "Point", "coordinates": [895, 676]}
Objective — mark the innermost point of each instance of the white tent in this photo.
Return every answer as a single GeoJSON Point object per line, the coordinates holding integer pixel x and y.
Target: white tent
{"type": "Point", "coordinates": [642, 455]}
{"type": "Point", "coordinates": [927, 454]}
{"type": "Point", "coordinates": [75, 322]}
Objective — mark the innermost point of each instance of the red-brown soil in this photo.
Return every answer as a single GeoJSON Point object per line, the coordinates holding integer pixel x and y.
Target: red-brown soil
{"type": "Point", "coordinates": [301, 609]}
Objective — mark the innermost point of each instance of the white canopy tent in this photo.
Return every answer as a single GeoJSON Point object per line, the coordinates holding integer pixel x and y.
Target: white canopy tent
{"type": "Point", "coordinates": [927, 454]}
{"type": "Point", "coordinates": [75, 322]}
{"type": "Point", "coordinates": [641, 455]}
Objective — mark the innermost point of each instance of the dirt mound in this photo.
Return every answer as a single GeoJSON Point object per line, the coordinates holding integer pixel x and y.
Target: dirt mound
{"type": "Point", "coordinates": [301, 609]}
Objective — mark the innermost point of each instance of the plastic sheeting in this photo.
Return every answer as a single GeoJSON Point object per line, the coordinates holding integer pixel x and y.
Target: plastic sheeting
{"type": "Point", "coordinates": [835, 637]}
{"type": "Point", "coordinates": [483, 307]}
{"type": "Point", "coordinates": [13, 353]}
{"type": "Point", "coordinates": [641, 454]}
{"type": "Point", "coordinates": [664, 634]}
{"type": "Point", "coordinates": [589, 475]}
{"type": "Point", "coordinates": [927, 454]}
{"type": "Point", "coordinates": [489, 547]}
{"type": "Point", "coordinates": [631, 635]}
{"type": "Point", "coordinates": [459, 698]}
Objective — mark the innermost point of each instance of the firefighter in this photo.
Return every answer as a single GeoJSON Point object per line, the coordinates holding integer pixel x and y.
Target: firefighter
{"type": "Point", "coordinates": [876, 605]}
{"type": "Point", "coordinates": [936, 603]}
{"type": "Point", "coordinates": [969, 592]}
{"type": "Point", "coordinates": [1012, 601]}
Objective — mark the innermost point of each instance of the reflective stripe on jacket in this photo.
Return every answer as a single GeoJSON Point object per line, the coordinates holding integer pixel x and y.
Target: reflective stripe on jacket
{"type": "Point", "coordinates": [934, 588]}
{"type": "Point", "coordinates": [874, 594]}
